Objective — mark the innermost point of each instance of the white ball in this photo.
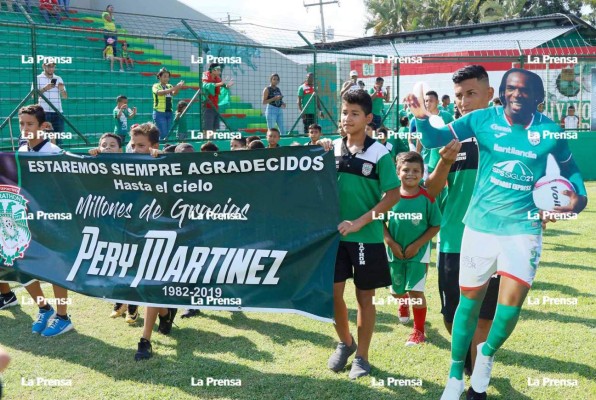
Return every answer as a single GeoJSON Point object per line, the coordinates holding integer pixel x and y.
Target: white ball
{"type": "Point", "coordinates": [548, 194]}
{"type": "Point", "coordinates": [420, 89]}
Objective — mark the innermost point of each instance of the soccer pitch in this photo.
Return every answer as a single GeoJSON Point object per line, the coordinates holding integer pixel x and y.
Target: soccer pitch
{"type": "Point", "coordinates": [551, 354]}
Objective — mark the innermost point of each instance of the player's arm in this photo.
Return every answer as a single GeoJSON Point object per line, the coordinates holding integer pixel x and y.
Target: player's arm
{"type": "Point", "coordinates": [390, 198]}
{"type": "Point", "coordinates": [345, 87]}
{"type": "Point", "coordinates": [568, 167]}
{"type": "Point", "coordinates": [133, 113]}
{"type": "Point", "coordinates": [432, 137]}
{"type": "Point", "coordinates": [437, 179]}
{"type": "Point", "coordinates": [392, 244]}
{"type": "Point", "coordinates": [413, 248]}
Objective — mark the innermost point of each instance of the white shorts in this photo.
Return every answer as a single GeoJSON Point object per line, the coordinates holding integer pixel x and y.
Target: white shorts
{"type": "Point", "coordinates": [483, 254]}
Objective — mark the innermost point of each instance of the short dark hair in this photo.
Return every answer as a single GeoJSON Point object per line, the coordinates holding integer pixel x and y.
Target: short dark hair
{"type": "Point", "coordinates": [359, 97]}
{"type": "Point", "coordinates": [212, 66]}
{"type": "Point", "coordinates": [170, 148]}
{"type": "Point", "coordinates": [124, 44]}
{"type": "Point", "coordinates": [410, 156]}
{"type": "Point", "coordinates": [534, 81]}
{"type": "Point", "coordinates": [274, 130]}
{"type": "Point", "coordinates": [315, 126]}
{"type": "Point", "coordinates": [181, 148]}
{"type": "Point", "coordinates": [240, 140]}
{"type": "Point", "coordinates": [432, 93]}
{"type": "Point", "coordinates": [36, 110]}
{"type": "Point", "coordinates": [181, 106]}
{"type": "Point", "coordinates": [571, 107]}
{"type": "Point", "coordinates": [113, 136]}
{"type": "Point", "coordinates": [149, 130]}
{"type": "Point", "coordinates": [120, 98]}
{"type": "Point", "coordinates": [404, 121]}
{"type": "Point", "coordinates": [209, 146]}
{"type": "Point", "coordinates": [256, 144]}
{"type": "Point", "coordinates": [444, 97]}
{"type": "Point", "coordinates": [372, 125]}
{"type": "Point", "coordinates": [470, 72]}
{"type": "Point", "coordinates": [379, 79]}
{"type": "Point", "coordinates": [163, 71]}
{"type": "Point", "coordinates": [274, 76]}
{"type": "Point", "coordinates": [252, 139]}
{"type": "Point", "coordinates": [497, 101]}
{"type": "Point", "coordinates": [382, 130]}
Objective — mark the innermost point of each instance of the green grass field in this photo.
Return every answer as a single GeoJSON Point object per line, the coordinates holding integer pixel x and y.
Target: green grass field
{"type": "Point", "coordinates": [279, 356]}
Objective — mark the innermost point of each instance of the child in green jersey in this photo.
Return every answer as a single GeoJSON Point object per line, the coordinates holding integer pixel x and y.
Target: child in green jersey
{"type": "Point", "coordinates": [411, 224]}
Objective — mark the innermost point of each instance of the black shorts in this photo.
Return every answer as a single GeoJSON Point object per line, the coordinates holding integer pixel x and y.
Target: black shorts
{"type": "Point", "coordinates": [448, 271]}
{"type": "Point", "coordinates": [365, 262]}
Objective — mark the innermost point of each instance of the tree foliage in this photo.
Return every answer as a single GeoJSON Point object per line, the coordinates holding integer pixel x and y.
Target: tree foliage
{"type": "Point", "coordinates": [391, 16]}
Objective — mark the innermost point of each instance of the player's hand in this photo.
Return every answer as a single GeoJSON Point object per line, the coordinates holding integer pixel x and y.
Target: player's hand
{"type": "Point", "coordinates": [47, 87]}
{"type": "Point", "coordinates": [396, 250]}
{"type": "Point", "coordinates": [230, 83]}
{"type": "Point", "coordinates": [61, 86]}
{"type": "Point", "coordinates": [326, 143]}
{"type": "Point", "coordinates": [94, 152]}
{"type": "Point", "coordinates": [347, 227]}
{"type": "Point", "coordinates": [411, 250]}
{"type": "Point", "coordinates": [283, 105]}
{"type": "Point", "coordinates": [576, 203]}
{"type": "Point", "coordinates": [134, 109]}
{"type": "Point", "coordinates": [180, 84]}
{"type": "Point", "coordinates": [449, 153]}
{"type": "Point", "coordinates": [417, 108]}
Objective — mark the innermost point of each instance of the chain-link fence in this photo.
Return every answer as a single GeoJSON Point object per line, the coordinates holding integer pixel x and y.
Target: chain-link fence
{"type": "Point", "coordinates": [93, 81]}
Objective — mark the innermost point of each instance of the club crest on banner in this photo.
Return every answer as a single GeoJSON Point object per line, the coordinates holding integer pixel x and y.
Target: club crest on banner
{"type": "Point", "coordinates": [14, 230]}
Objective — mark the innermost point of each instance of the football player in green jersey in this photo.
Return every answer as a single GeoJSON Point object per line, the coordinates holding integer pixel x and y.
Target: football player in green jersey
{"type": "Point", "coordinates": [514, 141]}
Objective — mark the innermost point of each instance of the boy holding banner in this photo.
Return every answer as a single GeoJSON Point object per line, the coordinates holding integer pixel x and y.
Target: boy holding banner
{"type": "Point", "coordinates": [368, 187]}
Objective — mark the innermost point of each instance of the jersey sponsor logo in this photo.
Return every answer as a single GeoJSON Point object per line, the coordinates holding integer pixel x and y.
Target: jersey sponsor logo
{"type": "Point", "coordinates": [515, 170]}
{"type": "Point", "coordinates": [461, 156]}
{"type": "Point", "coordinates": [367, 169]}
{"type": "Point", "coordinates": [534, 138]}
{"type": "Point", "coordinates": [496, 127]}
{"type": "Point", "coordinates": [500, 135]}
{"type": "Point", "coordinates": [513, 150]}
{"type": "Point", "coordinates": [14, 230]}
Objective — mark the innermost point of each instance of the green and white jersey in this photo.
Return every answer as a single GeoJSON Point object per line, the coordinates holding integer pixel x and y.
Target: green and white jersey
{"type": "Point", "coordinates": [455, 198]}
{"type": "Point", "coordinates": [512, 159]}
{"type": "Point", "coordinates": [362, 178]}
{"type": "Point", "coordinates": [121, 124]}
{"type": "Point", "coordinates": [410, 218]}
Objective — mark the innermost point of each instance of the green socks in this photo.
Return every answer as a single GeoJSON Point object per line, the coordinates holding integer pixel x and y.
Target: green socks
{"type": "Point", "coordinates": [464, 326]}
{"type": "Point", "coordinates": [503, 324]}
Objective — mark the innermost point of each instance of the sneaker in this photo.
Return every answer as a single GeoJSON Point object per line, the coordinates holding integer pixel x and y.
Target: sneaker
{"type": "Point", "coordinates": [482, 369]}
{"type": "Point", "coordinates": [43, 317]}
{"type": "Point", "coordinates": [416, 338]}
{"type": "Point", "coordinates": [403, 312]}
{"type": "Point", "coordinates": [165, 323]}
{"type": "Point", "coordinates": [132, 316]}
{"type": "Point", "coordinates": [472, 395]}
{"type": "Point", "coordinates": [118, 311]}
{"type": "Point", "coordinates": [339, 358]}
{"type": "Point", "coordinates": [8, 300]}
{"type": "Point", "coordinates": [190, 312]}
{"type": "Point", "coordinates": [144, 350]}
{"type": "Point", "coordinates": [360, 367]}
{"type": "Point", "coordinates": [453, 389]}
{"type": "Point", "coordinates": [58, 327]}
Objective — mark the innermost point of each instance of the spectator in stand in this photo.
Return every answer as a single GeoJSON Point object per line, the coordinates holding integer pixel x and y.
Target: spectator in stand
{"type": "Point", "coordinates": [212, 84]}
{"type": "Point", "coordinates": [163, 93]}
{"type": "Point", "coordinates": [129, 62]}
{"type": "Point", "coordinates": [306, 106]}
{"type": "Point", "coordinates": [184, 148]}
{"type": "Point", "coordinates": [314, 133]}
{"type": "Point", "coordinates": [238, 144]}
{"type": "Point", "coordinates": [379, 97]}
{"type": "Point", "coordinates": [180, 126]}
{"type": "Point", "coordinates": [49, 8]}
{"type": "Point", "coordinates": [52, 87]}
{"type": "Point", "coordinates": [570, 121]}
{"type": "Point", "coordinates": [121, 115]}
{"type": "Point", "coordinates": [108, 54]}
{"type": "Point", "coordinates": [64, 4]}
{"type": "Point", "coordinates": [109, 26]}
{"type": "Point", "coordinates": [361, 85]}
{"type": "Point", "coordinates": [272, 97]}
{"type": "Point", "coordinates": [446, 104]}
{"type": "Point", "coordinates": [350, 85]}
